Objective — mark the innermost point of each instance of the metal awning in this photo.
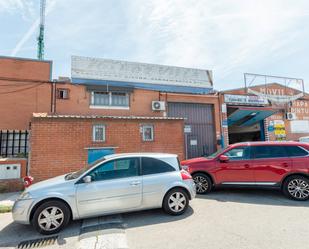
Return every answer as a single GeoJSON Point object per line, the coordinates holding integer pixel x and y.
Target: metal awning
{"type": "Point", "coordinates": [247, 116]}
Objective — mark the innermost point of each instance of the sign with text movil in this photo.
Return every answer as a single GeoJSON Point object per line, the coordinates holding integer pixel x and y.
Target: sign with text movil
{"type": "Point", "coordinates": [245, 99]}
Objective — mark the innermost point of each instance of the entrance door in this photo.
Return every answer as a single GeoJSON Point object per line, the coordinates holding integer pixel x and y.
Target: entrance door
{"type": "Point", "coordinates": [115, 185]}
{"type": "Point", "coordinates": [238, 169]}
{"type": "Point", "coordinates": [201, 139]}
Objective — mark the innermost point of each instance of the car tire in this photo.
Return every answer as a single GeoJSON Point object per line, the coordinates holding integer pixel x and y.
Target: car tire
{"type": "Point", "coordinates": [50, 217]}
{"type": "Point", "coordinates": [296, 188]}
{"type": "Point", "coordinates": [176, 201]}
{"type": "Point", "coordinates": [202, 182]}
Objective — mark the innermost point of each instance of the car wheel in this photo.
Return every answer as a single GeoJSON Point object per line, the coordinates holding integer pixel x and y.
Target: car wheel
{"type": "Point", "coordinates": [296, 187]}
{"type": "Point", "coordinates": [203, 183]}
{"type": "Point", "coordinates": [176, 201]}
{"type": "Point", "coordinates": [51, 217]}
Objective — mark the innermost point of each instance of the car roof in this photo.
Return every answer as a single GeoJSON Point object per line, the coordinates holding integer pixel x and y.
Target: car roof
{"type": "Point", "coordinates": [138, 154]}
{"type": "Point", "coordinates": [263, 143]}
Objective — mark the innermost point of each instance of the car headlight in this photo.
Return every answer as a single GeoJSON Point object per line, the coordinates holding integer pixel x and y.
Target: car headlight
{"type": "Point", "coordinates": [185, 167]}
{"type": "Point", "coordinates": [24, 196]}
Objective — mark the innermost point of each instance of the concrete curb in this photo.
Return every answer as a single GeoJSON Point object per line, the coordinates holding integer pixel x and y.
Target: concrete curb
{"type": "Point", "coordinates": [103, 233]}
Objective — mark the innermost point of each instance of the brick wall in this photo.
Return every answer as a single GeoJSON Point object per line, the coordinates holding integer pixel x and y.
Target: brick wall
{"type": "Point", "coordinates": [10, 185]}
{"type": "Point", "coordinates": [58, 144]}
{"type": "Point", "coordinates": [24, 89]}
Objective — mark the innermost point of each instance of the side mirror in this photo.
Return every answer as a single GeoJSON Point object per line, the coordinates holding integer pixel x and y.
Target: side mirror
{"type": "Point", "coordinates": [224, 158]}
{"type": "Point", "coordinates": [87, 179]}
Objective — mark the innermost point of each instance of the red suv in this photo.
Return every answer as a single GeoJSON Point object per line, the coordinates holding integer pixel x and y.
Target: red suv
{"type": "Point", "coordinates": [274, 164]}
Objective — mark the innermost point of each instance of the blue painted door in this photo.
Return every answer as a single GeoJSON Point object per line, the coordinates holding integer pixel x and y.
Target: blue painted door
{"type": "Point", "coordinates": [96, 154]}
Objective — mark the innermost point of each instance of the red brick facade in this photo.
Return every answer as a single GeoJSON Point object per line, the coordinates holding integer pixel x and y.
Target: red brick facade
{"type": "Point", "coordinates": [24, 88]}
{"type": "Point", "coordinates": [59, 145]}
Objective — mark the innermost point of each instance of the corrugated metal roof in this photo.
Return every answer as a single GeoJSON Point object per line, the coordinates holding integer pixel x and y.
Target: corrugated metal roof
{"type": "Point", "coordinates": [45, 115]}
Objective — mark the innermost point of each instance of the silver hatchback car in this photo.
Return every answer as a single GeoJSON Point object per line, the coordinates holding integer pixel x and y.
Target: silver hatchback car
{"type": "Point", "coordinates": [118, 183]}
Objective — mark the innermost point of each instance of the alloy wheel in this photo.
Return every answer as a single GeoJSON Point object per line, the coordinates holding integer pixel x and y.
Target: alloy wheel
{"type": "Point", "coordinates": [177, 202]}
{"type": "Point", "coordinates": [201, 184]}
{"type": "Point", "coordinates": [50, 218]}
{"type": "Point", "coordinates": [298, 188]}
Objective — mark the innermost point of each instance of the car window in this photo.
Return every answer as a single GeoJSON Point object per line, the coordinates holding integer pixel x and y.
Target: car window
{"type": "Point", "coordinates": [118, 168]}
{"type": "Point", "coordinates": [239, 153]}
{"type": "Point", "coordinates": [269, 151]}
{"type": "Point", "coordinates": [296, 151]}
{"type": "Point", "coordinates": [155, 166]}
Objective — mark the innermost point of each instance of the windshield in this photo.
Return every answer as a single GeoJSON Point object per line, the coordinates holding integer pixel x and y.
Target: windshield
{"type": "Point", "coordinates": [216, 153]}
{"type": "Point", "coordinates": [78, 173]}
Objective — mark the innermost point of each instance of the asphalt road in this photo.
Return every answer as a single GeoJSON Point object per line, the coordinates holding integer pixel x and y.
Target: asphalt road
{"type": "Point", "coordinates": [225, 219]}
{"type": "Point", "coordinates": [238, 218]}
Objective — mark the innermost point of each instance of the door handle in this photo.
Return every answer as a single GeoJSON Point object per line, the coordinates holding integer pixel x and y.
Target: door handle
{"type": "Point", "coordinates": [135, 183]}
{"type": "Point", "coordinates": [285, 164]}
{"type": "Point", "coordinates": [247, 165]}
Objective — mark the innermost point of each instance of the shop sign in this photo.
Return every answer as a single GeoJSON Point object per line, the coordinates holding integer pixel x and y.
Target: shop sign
{"type": "Point", "coordinates": [245, 99]}
{"type": "Point", "coordinates": [279, 130]}
{"type": "Point", "coordinates": [224, 123]}
{"type": "Point", "coordinates": [271, 127]}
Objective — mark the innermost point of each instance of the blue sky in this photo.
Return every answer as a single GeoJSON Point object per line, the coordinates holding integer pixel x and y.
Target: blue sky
{"type": "Point", "coordinates": [229, 37]}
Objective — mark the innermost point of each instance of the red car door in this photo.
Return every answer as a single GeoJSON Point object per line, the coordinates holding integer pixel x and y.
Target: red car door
{"type": "Point", "coordinates": [237, 169]}
{"type": "Point", "coordinates": [270, 163]}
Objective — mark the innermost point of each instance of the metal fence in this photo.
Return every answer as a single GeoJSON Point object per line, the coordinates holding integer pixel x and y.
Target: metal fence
{"type": "Point", "coordinates": [14, 143]}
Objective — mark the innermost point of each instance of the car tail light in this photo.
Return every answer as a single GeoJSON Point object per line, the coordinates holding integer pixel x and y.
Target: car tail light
{"type": "Point", "coordinates": [185, 175]}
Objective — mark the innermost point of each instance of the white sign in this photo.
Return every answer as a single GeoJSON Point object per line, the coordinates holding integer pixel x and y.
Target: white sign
{"type": "Point", "coordinates": [245, 99]}
{"type": "Point", "coordinates": [299, 126]}
{"type": "Point", "coordinates": [187, 129]}
{"type": "Point", "coordinates": [193, 142]}
{"type": "Point", "coordinates": [223, 108]}
{"type": "Point", "coordinates": [104, 69]}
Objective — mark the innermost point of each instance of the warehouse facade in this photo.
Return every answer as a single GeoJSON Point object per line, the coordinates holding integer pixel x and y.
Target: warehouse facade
{"type": "Point", "coordinates": [186, 112]}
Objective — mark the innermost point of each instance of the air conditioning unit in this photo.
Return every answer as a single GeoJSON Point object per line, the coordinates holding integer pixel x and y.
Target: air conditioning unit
{"type": "Point", "coordinates": [290, 116]}
{"type": "Point", "coordinates": [158, 105]}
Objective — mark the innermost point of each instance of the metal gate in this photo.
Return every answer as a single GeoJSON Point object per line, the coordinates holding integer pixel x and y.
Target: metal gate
{"type": "Point", "coordinates": [199, 127]}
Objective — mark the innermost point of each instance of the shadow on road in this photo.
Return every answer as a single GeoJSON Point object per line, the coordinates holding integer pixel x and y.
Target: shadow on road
{"type": "Point", "coordinates": [152, 217]}
{"type": "Point", "coordinates": [272, 197]}
{"type": "Point", "coordinates": [14, 233]}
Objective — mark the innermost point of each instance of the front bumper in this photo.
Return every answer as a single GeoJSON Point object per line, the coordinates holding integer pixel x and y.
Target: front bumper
{"type": "Point", "coordinates": [21, 211]}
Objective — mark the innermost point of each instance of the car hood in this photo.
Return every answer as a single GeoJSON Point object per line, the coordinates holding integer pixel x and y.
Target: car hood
{"type": "Point", "coordinates": [195, 160]}
{"type": "Point", "coordinates": [53, 182]}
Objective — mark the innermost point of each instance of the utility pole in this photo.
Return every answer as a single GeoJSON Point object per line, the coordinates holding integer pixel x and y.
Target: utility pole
{"type": "Point", "coordinates": [42, 27]}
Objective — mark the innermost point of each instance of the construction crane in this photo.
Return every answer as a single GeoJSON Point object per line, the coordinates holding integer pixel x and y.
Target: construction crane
{"type": "Point", "coordinates": [41, 34]}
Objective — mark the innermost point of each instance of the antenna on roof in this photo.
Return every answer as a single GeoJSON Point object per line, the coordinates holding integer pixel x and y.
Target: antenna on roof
{"type": "Point", "coordinates": [42, 27]}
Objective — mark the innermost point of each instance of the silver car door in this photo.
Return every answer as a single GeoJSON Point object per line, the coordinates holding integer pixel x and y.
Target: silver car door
{"type": "Point", "coordinates": [115, 186]}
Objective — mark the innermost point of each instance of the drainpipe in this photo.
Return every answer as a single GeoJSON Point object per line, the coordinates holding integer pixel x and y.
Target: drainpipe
{"type": "Point", "coordinates": [53, 96]}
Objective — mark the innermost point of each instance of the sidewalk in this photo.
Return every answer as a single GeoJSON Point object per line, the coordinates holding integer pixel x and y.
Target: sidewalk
{"type": "Point", "coordinates": [7, 201]}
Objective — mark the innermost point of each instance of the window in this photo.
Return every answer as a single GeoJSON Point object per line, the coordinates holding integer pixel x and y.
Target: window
{"type": "Point", "coordinates": [147, 132]}
{"type": "Point", "coordinates": [110, 99]}
{"type": "Point", "coordinates": [98, 133]}
{"type": "Point", "coordinates": [118, 168]}
{"type": "Point", "coordinates": [269, 151]}
{"type": "Point", "coordinates": [296, 151]}
{"type": "Point", "coordinates": [62, 93]}
{"type": "Point", "coordinates": [155, 166]}
{"type": "Point", "coordinates": [240, 153]}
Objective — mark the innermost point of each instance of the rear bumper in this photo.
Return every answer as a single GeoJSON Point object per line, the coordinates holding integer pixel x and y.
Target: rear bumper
{"type": "Point", "coordinates": [21, 211]}
{"type": "Point", "coordinates": [191, 187]}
